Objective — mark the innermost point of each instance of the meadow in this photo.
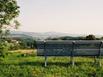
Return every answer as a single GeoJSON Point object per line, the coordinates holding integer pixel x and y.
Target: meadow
{"type": "Point", "coordinates": [25, 64]}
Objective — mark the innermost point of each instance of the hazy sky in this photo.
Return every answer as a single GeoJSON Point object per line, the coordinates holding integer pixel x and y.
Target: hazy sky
{"type": "Point", "coordinates": [69, 16]}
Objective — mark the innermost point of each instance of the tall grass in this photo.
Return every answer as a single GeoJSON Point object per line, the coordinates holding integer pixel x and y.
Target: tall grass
{"type": "Point", "coordinates": [29, 65]}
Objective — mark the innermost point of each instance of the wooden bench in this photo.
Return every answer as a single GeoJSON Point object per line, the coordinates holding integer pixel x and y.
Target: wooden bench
{"type": "Point", "coordinates": [70, 48]}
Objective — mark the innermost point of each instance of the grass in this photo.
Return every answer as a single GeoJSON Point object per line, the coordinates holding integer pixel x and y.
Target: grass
{"type": "Point", "coordinates": [18, 64]}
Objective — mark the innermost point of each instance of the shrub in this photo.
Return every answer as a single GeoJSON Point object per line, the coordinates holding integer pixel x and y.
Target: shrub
{"type": "Point", "coordinates": [4, 46]}
{"type": "Point", "coordinates": [14, 46]}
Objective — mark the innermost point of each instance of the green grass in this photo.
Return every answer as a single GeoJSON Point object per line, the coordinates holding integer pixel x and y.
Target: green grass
{"type": "Point", "coordinates": [29, 65]}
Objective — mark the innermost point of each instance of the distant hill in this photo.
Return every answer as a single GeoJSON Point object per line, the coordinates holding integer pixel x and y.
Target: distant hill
{"type": "Point", "coordinates": [44, 35]}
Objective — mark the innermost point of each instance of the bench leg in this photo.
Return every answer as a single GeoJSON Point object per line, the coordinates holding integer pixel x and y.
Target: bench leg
{"type": "Point", "coordinates": [100, 62]}
{"type": "Point", "coordinates": [72, 61]}
{"type": "Point", "coordinates": [95, 59]}
{"type": "Point", "coordinates": [45, 61]}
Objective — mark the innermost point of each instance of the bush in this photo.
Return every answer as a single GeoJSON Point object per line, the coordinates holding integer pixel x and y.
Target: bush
{"type": "Point", "coordinates": [4, 46]}
{"type": "Point", "coordinates": [14, 46]}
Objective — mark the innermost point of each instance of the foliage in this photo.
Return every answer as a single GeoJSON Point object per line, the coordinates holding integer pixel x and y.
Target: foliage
{"type": "Point", "coordinates": [8, 12]}
{"type": "Point", "coordinates": [66, 38]}
{"type": "Point", "coordinates": [4, 47]}
{"type": "Point", "coordinates": [90, 37]}
{"type": "Point", "coordinates": [14, 45]}
{"type": "Point", "coordinates": [101, 38]}
{"type": "Point", "coordinates": [27, 43]}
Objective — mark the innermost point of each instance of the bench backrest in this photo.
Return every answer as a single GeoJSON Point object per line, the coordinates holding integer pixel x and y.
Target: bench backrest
{"type": "Point", "coordinates": [70, 48]}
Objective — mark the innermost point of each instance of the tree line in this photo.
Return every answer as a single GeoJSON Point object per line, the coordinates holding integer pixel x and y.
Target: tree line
{"type": "Point", "coordinates": [88, 37]}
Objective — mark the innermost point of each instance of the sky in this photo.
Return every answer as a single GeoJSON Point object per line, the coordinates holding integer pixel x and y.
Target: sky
{"type": "Point", "coordinates": [67, 16]}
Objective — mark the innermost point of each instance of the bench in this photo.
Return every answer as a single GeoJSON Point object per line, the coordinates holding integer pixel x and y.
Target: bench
{"type": "Point", "coordinates": [70, 48]}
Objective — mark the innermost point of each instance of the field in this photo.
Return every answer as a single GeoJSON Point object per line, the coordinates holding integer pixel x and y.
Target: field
{"type": "Point", "coordinates": [21, 63]}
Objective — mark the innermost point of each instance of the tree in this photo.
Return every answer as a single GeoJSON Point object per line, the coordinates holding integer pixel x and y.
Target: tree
{"type": "Point", "coordinates": [9, 10]}
{"type": "Point", "coordinates": [90, 37]}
